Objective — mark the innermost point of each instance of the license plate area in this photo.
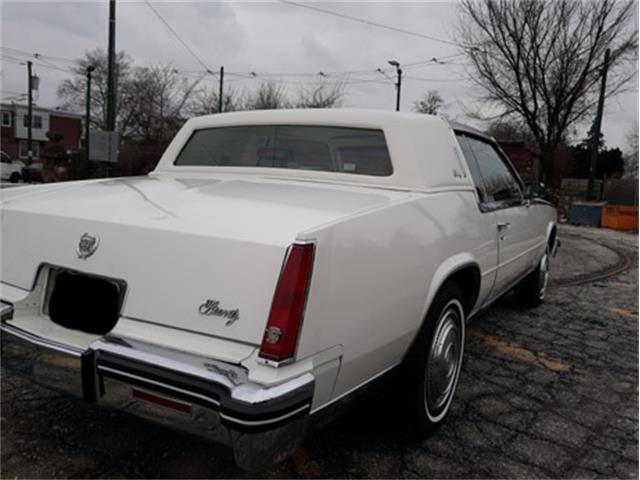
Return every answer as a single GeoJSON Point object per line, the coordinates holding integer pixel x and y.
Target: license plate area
{"type": "Point", "coordinates": [79, 301]}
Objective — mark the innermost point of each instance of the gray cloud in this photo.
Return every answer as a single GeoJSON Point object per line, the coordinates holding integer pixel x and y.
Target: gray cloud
{"type": "Point", "coordinates": [267, 37]}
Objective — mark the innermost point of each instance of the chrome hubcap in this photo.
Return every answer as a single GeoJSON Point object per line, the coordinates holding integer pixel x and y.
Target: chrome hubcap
{"type": "Point", "coordinates": [543, 278]}
{"type": "Point", "coordinates": [443, 362]}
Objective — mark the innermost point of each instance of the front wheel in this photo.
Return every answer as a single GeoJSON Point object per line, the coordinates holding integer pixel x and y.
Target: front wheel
{"type": "Point", "coordinates": [15, 177]}
{"type": "Point", "coordinates": [433, 365]}
{"type": "Point", "coordinates": [531, 290]}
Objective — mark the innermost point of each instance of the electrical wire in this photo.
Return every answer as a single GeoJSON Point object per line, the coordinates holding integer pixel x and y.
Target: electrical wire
{"type": "Point", "coordinates": [175, 34]}
{"type": "Point", "coordinates": [368, 22]}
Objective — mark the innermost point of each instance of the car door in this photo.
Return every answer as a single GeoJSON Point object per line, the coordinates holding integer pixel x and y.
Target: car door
{"type": "Point", "coordinates": [502, 193]}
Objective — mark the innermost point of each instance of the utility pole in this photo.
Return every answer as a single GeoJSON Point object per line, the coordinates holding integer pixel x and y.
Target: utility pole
{"type": "Point", "coordinates": [220, 90]}
{"type": "Point", "coordinates": [30, 113]}
{"type": "Point", "coordinates": [597, 124]}
{"type": "Point", "coordinates": [111, 87]}
{"type": "Point", "coordinates": [87, 120]}
{"type": "Point", "coordinates": [398, 83]}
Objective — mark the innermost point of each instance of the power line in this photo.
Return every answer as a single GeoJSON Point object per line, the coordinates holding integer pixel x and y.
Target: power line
{"type": "Point", "coordinates": [368, 22]}
{"type": "Point", "coordinates": [433, 61]}
{"type": "Point", "coordinates": [175, 34]}
{"type": "Point", "coordinates": [20, 61]}
{"type": "Point", "coordinates": [38, 55]}
{"type": "Point", "coordinates": [461, 79]}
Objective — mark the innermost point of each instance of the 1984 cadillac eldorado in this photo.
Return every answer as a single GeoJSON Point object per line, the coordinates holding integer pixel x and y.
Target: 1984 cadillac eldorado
{"type": "Point", "coordinates": [271, 265]}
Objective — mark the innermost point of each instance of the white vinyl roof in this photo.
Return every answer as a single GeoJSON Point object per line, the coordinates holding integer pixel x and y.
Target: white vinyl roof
{"type": "Point", "coordinates": [423, 149]}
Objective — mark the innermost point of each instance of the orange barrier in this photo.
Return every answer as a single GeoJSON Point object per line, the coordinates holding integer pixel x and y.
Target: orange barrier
{"type": "Point", "coordinates": [620, 217]}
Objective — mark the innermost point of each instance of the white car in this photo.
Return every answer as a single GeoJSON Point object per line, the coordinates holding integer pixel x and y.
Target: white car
{"type": "Point", "coordinates": [10, 169]}
{"type": "Point", "coordinates": [273, 264]}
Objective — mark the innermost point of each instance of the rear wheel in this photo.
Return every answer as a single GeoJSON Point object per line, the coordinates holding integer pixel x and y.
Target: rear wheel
{"type": "Point", "coordinates": [15, 177]}
{"type": "Point", "coordinates": [433, 365]}
{"type": "Point", "coordinates": [531, 290]}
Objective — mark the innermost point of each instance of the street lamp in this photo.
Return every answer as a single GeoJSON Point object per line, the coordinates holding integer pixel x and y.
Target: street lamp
{"type": "Point", "coordinates": [394, 63]}
{"type": "Point", "coordinates": [90, 69]}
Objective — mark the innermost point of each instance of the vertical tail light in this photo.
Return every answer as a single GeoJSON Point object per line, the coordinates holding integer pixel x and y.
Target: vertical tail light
{"type": "Point", "coordinates": [285, 319]}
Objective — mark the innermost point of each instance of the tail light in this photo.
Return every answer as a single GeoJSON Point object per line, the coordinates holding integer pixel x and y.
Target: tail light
{"type": "Point", "coordinates": [287, 309]}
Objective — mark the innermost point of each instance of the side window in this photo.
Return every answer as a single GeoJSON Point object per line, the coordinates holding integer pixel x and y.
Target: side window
{"type": "Point", "coordinates": [463, 140]}
{"type": "Point", "coordinates": [499, 181]}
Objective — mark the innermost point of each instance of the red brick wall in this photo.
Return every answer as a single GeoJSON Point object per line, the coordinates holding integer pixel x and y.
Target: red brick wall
{"type": "Point", "coordinates": [69, 128]}
{"type": "Point", "coordinates": [523, 160]}
{"type": "Point", "coordinates": [8, 142]}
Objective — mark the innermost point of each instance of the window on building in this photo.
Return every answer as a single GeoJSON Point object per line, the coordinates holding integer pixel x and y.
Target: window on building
{"type": "Point", "coordinates": [35, 149]}
{"type": "Point", "coordinates": [37, 121]}
{"type": "Point", "coordinates": [6, 119]}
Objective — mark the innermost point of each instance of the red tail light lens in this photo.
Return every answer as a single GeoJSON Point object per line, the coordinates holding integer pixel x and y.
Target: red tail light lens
{"type": "Point", "coordinates": [287, 309]}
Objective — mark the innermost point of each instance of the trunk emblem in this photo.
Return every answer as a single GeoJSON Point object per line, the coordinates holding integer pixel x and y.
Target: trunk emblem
{"type": "Point", "coordinates": [212, 307]}
{"type": "Point", "coordinates": [273, 335]}
{"type": "Point", "coordinates": [87, 245]}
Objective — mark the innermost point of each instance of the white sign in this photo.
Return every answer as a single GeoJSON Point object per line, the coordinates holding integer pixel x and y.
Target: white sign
{"type": "Point", "coordinates": [103, 146]}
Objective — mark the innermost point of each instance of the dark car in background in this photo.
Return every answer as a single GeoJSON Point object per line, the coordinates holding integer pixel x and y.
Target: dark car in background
{"type": "Point", "coordinates": [32, 173]}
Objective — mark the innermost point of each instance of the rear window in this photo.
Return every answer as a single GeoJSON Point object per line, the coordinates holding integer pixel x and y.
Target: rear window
{"type": "Point", "coordinates": [327, 149]}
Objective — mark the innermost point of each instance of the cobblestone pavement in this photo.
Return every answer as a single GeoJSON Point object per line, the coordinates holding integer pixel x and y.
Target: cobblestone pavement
{"type": "Point", "coordinates": [549, 392]}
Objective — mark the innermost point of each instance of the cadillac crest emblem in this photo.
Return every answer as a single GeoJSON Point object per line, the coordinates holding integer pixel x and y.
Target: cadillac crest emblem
{"type": "Point", "coordinates": [87, 245]}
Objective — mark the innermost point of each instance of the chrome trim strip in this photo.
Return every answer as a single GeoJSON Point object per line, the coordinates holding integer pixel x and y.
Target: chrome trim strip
{"type": "Point", "coordinates": [252, 393]}
{"type": "Point", "coordinates": [36, 340]}
{"type": "Point", "coordinates": [254, 423]}
{"type": "Point", "coordinates": [160, 384]}
{"type": "Point", "coordinates": [177, 361]}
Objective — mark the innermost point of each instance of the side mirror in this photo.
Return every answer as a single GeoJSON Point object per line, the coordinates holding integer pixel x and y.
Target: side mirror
{"type": "Point", "coordinates": [534, 190]}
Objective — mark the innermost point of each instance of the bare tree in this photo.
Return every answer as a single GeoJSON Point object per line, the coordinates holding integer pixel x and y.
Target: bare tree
{"type": "Point", "coordinates": [321, 95]}
{"type": "Point", "coordinates": [204, 101]}
{"type": "Point", "coordinates": [72, 91]}
{"type": "Point", "coordinates": [268, 96]}
{"type": "Point", "coordinates": [430, 103]}
{"type": "Point", "coordinates": [511, 130]}
{"type": "Point", "coordinates": [540, 61]}
{"type": "Point", "coordinates": [156, 102]}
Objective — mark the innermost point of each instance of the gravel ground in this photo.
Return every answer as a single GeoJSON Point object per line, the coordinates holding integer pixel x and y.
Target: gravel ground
{"type": "Point", "coordinates": [549, 392]}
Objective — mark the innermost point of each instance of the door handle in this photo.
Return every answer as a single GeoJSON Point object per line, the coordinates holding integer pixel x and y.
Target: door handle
{"type": "Point", "coordinates": [503, 226]}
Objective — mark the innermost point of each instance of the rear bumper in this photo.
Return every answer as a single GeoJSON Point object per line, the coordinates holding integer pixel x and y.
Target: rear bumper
{"type": "Point", "coordinates": [214, 399]}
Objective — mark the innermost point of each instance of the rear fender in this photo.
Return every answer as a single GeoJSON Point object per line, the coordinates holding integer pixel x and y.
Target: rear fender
{"type": "Point", "coordinates": [446, 269]}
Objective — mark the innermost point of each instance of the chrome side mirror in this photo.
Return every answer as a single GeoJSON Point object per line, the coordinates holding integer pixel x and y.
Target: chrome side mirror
{"type": "Point", "coordinates": [534, 190]}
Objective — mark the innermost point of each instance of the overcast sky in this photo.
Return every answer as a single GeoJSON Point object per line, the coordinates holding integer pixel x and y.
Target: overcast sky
{"type": "Point", "coordinates": [266, 38]}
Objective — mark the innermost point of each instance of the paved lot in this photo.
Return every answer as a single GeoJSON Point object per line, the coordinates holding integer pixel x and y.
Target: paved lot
{"type": "Point", "coordinates": [551, 392]}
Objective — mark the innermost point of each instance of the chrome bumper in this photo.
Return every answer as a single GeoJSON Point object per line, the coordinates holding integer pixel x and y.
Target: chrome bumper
{"type": "Point", "coordinates": [262, 424]}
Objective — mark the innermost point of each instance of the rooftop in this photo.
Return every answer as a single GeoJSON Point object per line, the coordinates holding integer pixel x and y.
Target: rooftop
{"type": "Point", "coordinates": [51, 111]}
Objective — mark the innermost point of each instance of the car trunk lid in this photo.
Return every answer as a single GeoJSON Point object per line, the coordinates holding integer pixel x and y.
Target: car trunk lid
{"type": "Point", "coordinates": [199, 254]}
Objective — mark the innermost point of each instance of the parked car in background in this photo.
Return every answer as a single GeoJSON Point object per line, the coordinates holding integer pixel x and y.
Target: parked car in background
{"type": "Point", "coordinates": [10, 169]}
{"type": "Point", "coordinates": [33, 173]}
{"type": "Point", "coordinates": [311, 253]}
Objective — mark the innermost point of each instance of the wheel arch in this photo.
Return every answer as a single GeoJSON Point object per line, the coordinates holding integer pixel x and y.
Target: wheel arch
{"type": "Point", "coordinates": [465, 271]}
{"type": "Point", "coordinates": [462, 269]}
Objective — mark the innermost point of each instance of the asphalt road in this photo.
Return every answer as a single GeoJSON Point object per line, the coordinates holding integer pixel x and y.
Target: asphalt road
{"type": "Point", "coordinates": [549, 392]}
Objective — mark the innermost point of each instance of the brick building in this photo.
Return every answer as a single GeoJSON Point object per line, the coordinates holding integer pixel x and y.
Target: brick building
{"type": "Point", "coordinates": [525, 160]}
{"type": "Point", "coordinates": [65, 127]}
